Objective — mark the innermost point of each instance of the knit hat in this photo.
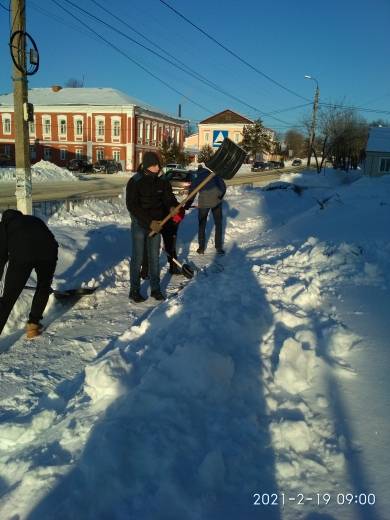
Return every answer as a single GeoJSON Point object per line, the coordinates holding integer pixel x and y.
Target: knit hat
{"type": "Point", "coordinates": [150, 159]}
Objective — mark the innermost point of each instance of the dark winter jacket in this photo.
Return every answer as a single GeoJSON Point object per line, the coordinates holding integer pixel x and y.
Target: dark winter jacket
{"type": "Point", "coordinates": [212, 193]}
{"type": "Point", "coordinates": [149, 197]}
{"type": "Point", "coordinates": [25, 239]}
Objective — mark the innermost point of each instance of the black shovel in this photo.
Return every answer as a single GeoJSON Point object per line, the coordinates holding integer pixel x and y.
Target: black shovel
{"type": "Point", "coordinates": [186, 270]}
{"type": "Point", "coordinates": [67, 293]}
{"type": "Point", "coordinates": [225, 163]}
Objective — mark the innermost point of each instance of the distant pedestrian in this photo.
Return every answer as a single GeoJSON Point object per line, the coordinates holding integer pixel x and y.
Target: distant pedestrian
{"type": "Point", "coordinates": [27, 244]}
{"type": "Point", "coordinates": [149, 199]}
{"type": "Point", "coordinates": [209, 198]}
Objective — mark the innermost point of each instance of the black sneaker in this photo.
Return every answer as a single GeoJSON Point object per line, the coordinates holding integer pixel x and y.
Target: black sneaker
{"type": "Point", "coordinates": [220, 252]}
{"type": "Point", "coordinates": [200, 251]}
{"type": "Point", "coordinates": [157, 295]}
{"type": "Point", "coordinates": [136, 297]}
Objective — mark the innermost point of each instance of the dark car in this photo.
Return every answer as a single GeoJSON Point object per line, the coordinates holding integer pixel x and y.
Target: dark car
{"type": "Point", "coordinates": [180, 181]}
{"type": "Point", "coordinates": [259, 166]}
{"type": "Point", "coordinates": [296, 162]}
{"type": "Point", "coordinates": [106, 166]}
{"type": "Point", "coordinates": [79, 165]}
{"type": "Point", "coordinates": [276, 164]}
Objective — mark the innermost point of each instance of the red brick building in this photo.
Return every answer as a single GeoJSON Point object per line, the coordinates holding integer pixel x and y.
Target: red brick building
{"type": "Point", "coordinates": [88, 123]}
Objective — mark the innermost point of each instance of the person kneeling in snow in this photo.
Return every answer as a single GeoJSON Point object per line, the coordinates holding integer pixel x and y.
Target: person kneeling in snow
{"type": "Point", "coordinates": [26, 243]}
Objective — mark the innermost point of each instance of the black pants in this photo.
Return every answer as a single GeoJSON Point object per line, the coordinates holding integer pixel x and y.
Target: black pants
{"type": "Point", "coordinates": [169, 235]}
{"type": "Point", "coordinates": [202, 218]}
{"type": "Point", "coordinates": [16, 278]}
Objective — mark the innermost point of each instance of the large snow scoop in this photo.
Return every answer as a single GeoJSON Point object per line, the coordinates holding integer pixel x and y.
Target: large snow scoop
{"type": "Point", "coordinates": [225, 162]}
{"type": "Point", "coordinates": [67, 293]}
{"type": "Point", "coordinates": [186, 270]}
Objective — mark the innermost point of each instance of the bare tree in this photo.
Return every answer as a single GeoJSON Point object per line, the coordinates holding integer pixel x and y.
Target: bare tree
{"type": "Point", "coordinates": [295, 141]}
{"type": "Point", "coordinates": [74, 83]}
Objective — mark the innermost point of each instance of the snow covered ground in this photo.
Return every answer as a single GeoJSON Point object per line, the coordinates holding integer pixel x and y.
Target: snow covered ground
{"type": "Point", "coordinates": [41, 171]}
{"type": "Point", "coordinates": [264, 379]}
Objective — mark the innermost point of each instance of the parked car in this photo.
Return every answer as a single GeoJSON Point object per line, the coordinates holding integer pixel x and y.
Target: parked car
{"type": "Point", "coordinates": [259, 166]}
{"type": "Point", "coordinates": [107, 166]}
{"type": "Point", "coordinates": [180, 180]}
{"type": "Point", "coordinates": [276, 164]}
{"type": "Point", "coordinates": [296, 162]}
{"type": "Point", "coordinates": [5, 160]}
{"type": "Point", "coordinates": [79, 165]}
{"type": "Point", "coordinates": [172, 166]}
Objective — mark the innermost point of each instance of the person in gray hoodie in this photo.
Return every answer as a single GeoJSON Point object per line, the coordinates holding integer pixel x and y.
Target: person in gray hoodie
{"type": "Point", "coordinates": [209, 198]}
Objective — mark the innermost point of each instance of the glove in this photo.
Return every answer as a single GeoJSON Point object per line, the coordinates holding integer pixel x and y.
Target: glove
{"type": "Point", "coordinates": [179, 216]}
{"type": "Point", "coordinates": [155, 226]}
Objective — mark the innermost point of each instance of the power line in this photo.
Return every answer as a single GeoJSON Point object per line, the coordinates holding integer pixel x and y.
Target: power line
{"type": "Point", "coordinates": [359, 109]}
{"type": "Point", "coordinates": [190, 72]}
{"type": "Point", "coordinates": [5, 8]}
{"type": "Point", "coordinates": [242, 60]}
{"type": "Point", "coordinates": [134, 61]}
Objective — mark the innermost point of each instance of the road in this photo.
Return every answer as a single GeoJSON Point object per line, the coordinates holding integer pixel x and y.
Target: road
{"type": "Point", "coordinates": [102, 186]}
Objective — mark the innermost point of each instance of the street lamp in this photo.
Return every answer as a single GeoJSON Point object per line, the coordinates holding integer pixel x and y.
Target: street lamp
{"type": "Point", "coordinates": [314, 116]}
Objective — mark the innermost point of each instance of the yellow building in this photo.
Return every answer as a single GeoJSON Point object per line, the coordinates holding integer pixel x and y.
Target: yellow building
{"type": "Point", "coordinates": [214, 129]}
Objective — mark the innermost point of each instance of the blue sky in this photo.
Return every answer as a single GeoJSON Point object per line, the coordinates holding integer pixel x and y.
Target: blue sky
{"type": "Point", "coordinates": [343, 43]}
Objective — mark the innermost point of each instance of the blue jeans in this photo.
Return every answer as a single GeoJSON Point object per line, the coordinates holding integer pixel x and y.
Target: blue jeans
{"type": "Point", "coordinates": [138, 237]}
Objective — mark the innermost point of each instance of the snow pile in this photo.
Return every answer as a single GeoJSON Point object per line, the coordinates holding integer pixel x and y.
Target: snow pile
{"type": "Point", "coordinates": [42, 171]}
{"type": "Point", "coordinates": [232, 387]}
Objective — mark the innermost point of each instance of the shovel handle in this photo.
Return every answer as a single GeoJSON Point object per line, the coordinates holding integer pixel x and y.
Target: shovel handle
{"type": "Point", "coordinates": [184, 202]}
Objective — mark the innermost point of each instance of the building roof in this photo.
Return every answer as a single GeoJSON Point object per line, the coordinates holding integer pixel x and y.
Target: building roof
{"type": "Point", "coordinates": [82, 96]}
{"type": "Point", "coordinates": [379, 140]}
{"type": "Point", "coordinates": [227, 117]}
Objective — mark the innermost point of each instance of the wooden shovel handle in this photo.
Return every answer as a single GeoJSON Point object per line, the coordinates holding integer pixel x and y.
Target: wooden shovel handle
{"type": "Point", "coordinates": [184, 202]}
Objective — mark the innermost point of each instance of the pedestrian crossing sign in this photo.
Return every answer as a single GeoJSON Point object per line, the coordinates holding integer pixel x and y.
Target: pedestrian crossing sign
{"type": "Point", "coordinates": [218, 137]}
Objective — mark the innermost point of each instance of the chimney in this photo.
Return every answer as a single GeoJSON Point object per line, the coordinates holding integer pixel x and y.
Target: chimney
{"type": "Point", "coordinates": [179, 111]}
{"type": "Point", "coordinates": [56, 88]}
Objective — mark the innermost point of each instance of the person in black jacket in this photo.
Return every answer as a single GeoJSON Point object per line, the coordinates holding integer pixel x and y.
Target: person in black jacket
{"type": "Point", "coordinates": [26, 243]}
{"type": "Point", "coordinates": [149, 199]}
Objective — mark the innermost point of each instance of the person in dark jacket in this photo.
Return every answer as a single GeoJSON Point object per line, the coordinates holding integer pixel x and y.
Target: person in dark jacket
{"type": "Point", "coordinates": [26, 243]}
{"type": "Point", "coordinates": [149, 199]}
{"type": "Point", "coordinates": [210, 197]}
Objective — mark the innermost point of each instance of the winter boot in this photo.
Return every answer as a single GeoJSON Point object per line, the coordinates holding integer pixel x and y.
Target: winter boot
{"type": "Point", "coordinates": [157, 295]}
{"type": "Point", "coordinates": [220, 251]}
{"type": "Point", "coordinates": [200, 251]}
{"type": "Point", "coordinates": [136, 297]}
{"type": "Point", "coordinates": [33, 330]}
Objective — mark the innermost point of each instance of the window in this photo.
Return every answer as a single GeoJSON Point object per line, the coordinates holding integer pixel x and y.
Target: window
{"type": "Point", "coordinates": [236, 138]}
{"type": "Point", "coordinates": [47, 154]}
{"type": "Point", "coordinates": [177, 139]}
{"type": "Point", "coordinates": [154, 133]}
{"type": "Point", "coordinates": [63, 154]}
{"type": "Point", "coordinates": [99, 154]}
{"type": "Point", "coordinates": [116, 155]}
{"type": "Point", "coordinates": [385, 165]}
{"type": "Point", "coordinates": [7, 150]}
{"type": "Point", "coordinates": [79, 153]}
{"type": "Point", "coordinates": [100, 128]}
{"type": "Point", "coordinates": [140, 131]}
{"type": "Point", "coordinates": [79, 127]}
{"type": "Point", "coordinates": [33, 153]}
{"type": "Point", "coordinates": [6, 124]}
{"type": "Point", "coordinates": [46, 124]}
{"type": "Point", "coordinates": [206, 137]}
{"type": "Point", "coordinates": [147, 132]}
{"type": "Point", "coordinates": [116, 129]}
{"type": "Point", "coordinates": [31, 127]}
{"type": "Point", "coordinates": [62, 127]}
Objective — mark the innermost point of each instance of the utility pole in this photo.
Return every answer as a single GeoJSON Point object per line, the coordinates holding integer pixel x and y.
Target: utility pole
{"type": "Point", "coordinates": [314, 119]}
{"type": "Point", "coordinates": [22, 152]}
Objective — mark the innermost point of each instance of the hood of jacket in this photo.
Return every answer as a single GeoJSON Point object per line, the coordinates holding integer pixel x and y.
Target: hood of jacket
{"type": "Point", "coordinates": [9, 215]}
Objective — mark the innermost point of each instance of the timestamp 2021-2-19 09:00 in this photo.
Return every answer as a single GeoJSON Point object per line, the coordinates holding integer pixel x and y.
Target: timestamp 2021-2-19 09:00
{"type": "Point", "coordinates": [319, 499]}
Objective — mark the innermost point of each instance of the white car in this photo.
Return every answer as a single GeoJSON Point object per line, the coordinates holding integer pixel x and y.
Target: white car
{"type": "Point", "coordinates": [172, 166]}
